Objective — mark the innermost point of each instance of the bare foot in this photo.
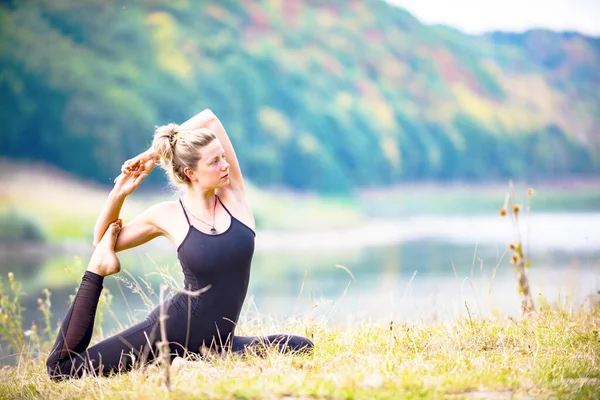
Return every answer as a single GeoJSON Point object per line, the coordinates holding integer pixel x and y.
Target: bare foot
{"type": "Point", "coordinates": [104, 261]}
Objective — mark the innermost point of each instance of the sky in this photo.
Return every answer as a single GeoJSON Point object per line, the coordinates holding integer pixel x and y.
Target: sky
{"type": "Point", "coordinates": [477, 16]}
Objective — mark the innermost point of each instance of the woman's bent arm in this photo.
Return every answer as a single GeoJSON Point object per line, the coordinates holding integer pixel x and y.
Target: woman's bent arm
{"type": "Point", "coordinates": [142, 228]}
{"type": "Point", "coordinates": [110, 213]}
{"type": "Point", "coordinates": [125, 184]}
{"type": "Point", "coordinates": [207, 119]}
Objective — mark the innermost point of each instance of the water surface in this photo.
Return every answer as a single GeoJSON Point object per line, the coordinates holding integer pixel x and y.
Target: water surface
{"type": "Point", "coordinates": [416, 268]}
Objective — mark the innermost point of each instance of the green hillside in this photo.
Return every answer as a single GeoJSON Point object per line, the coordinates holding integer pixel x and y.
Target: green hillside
{"type": "Point", "coordinates": [325, 96]}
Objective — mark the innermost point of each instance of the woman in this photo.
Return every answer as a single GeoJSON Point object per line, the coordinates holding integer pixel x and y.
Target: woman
{"type": "Point", "coordinates": [212, 228]}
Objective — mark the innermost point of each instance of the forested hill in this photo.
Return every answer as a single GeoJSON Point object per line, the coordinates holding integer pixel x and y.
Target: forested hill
{"type": "Point", "coordinates": [324, 95]}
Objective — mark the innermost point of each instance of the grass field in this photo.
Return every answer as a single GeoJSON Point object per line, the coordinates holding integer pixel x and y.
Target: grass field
{"type": "Point", "coordinates": [65, 207]}
{"type": "Point", "coordinates": [469, 198]}
{"type": "Point", "coordinates": [555, 353]}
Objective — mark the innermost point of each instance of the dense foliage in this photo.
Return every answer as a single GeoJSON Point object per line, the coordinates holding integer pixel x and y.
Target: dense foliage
{"type": "Point", "coordinates": [327, 95]}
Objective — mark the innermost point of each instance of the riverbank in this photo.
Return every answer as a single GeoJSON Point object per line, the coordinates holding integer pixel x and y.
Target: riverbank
{"type": "Point", "coordinates": [559, 231]}
{"type": "Point", "coordinates": [65, 208]}
{"type": "Point", "coordinates": [555, 353]}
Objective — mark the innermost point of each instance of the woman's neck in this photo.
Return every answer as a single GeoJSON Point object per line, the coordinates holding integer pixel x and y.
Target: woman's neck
{"type": "Point", "coordinates": [204, 198]}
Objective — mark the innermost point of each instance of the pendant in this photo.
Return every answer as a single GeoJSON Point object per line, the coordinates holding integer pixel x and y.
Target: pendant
{"type": "Point", "coordinates": [213, 231]}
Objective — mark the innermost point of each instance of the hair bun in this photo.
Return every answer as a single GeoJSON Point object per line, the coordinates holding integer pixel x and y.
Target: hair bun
{"type": "Point", "coordinates": [165, 139]}
{"type": "Point", "coordinates": [178, 149]}
{"type": "Point", "coordinates": [172, 130]}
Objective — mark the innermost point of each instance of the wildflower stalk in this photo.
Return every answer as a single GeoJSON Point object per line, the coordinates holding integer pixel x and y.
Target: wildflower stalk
{"type": "Point", "coordinates": [44, 307]}
{"type": "Point", "coordinates": [104, 303]}
{"type": "Point", "coordinates": [11, 314]}
{"type": "Point", "coordinates": [163, 345]}
{"type": "Point", "coordinates": [520, 260]}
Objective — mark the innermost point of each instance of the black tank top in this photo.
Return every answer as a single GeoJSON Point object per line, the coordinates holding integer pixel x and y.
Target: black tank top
{"type": "Point", "coordinates": [221, 261]}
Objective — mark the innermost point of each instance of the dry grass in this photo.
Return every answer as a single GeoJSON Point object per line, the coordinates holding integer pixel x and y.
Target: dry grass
{"type": "Point", "coordinates": [554, 353]}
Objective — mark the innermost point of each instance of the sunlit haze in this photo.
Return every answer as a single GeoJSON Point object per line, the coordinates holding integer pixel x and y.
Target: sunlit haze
{"type": "Point", "coordinates": [476, 16]}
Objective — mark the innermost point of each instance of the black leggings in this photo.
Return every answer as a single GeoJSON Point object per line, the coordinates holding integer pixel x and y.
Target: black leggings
{"type": "Point", "coordinates": [71, 358]}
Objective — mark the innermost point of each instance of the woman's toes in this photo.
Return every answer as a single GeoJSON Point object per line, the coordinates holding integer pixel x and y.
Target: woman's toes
{"type": "Point", "coordinates": [111, 234]}
{"type": "Point", "coordinates": [116, 228]}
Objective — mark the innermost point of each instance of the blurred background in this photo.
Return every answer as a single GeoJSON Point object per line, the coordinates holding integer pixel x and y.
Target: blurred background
{"type": "Point", "coordinates": [377, 140]}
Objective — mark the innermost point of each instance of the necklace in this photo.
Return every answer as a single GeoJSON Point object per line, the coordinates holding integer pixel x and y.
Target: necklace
{"type": "Point", "coordinates": [213, 231]}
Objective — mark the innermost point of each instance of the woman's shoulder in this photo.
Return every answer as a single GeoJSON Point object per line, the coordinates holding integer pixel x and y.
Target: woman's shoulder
{"type": "Point", "coordinates": [164, 209]}
{"type": "Point", "coordinates": [165, 205]}
{"type": "Point", "coordinates": [168, 215]}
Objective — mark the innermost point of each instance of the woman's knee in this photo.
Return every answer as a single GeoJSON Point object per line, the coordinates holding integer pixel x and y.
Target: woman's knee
{"type": "Point", "coordinates": [53, 367]}
{"type": "Point", "coordinates": [292, 343]}
{"type": "Point", "coordinates": [299, 344]}
{"type": "Point", "coordinates": [58, 371]}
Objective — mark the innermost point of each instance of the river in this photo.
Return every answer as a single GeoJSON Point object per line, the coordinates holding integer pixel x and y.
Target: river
{"type": "Point", "coordinates": [415, 268]}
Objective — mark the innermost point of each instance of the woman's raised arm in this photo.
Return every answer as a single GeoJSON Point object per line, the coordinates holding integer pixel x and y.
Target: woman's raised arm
{"type": "Point", "coordinates": [125, 184]}
{"type": "Point", "coordinates": [207, 119]}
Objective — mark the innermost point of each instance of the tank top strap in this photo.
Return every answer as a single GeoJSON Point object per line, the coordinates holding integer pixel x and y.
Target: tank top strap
{"type": "Point", "coordinates": [184, 213]}
{"type": "Point", "coordinates": [224, 206]}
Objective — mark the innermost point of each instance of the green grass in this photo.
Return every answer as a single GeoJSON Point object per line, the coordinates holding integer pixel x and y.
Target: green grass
{"type": "Point", "coordinates": [553, 353]}
{"type": "Point", "coordinates": [65, 207]}
{"type": "Point", "coordinates": [469, 199]}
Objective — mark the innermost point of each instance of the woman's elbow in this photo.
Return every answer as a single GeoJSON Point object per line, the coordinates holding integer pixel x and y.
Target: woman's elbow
{"type": "Point", "coordinates": [208, 117]}
{"type": "Point", "coordinates": [208, 113]}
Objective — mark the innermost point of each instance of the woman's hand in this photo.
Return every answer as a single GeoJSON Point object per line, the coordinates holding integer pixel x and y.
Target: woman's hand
{"type": "Point", "coordinates": [125, 184]}
{"type": "Point", "coordinates": [144, 162]}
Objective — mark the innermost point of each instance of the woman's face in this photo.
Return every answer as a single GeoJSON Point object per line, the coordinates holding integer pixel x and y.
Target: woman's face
{"type": "Point", "coordinates": [212, 171]}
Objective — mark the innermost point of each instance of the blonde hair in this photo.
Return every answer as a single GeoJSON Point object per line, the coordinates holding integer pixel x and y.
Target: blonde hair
{"type": "Point", "coordinates": [179, 149]}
